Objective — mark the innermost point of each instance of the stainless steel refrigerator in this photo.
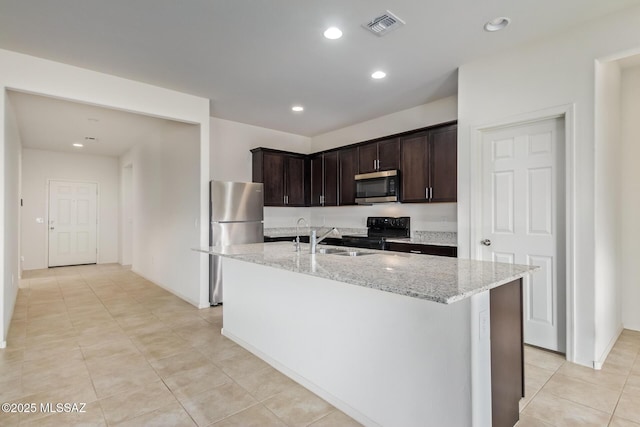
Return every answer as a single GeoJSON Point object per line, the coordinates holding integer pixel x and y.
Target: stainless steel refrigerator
{"type": "Point", "coordinates": [236, 214]}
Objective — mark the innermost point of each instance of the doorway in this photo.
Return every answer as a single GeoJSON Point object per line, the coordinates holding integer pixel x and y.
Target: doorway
{"type": "Point", "coordinates": [523, 219]}
{"type": "Point", "coordinates": [73, 223]}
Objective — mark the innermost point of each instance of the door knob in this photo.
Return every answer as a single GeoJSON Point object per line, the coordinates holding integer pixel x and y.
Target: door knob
{"type": "Point", "coordinates": [486, 242]}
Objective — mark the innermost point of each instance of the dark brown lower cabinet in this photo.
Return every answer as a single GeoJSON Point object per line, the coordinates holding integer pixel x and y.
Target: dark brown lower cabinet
{"type": "Point", "coordinates": [507, 353]}
{"type": "Point", "coordinates": [418, 248]}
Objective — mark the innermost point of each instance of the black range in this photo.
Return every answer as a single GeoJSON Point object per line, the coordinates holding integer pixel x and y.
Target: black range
{"type": "Point", "coordinates": [379, 229]}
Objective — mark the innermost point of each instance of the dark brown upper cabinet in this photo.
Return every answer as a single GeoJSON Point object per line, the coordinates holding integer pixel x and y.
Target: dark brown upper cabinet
{"type": "Point", "coordinates": [426, 159]}
{"type": "Point", "coordinates": [428, 163]}
{"type": "Point", "coordinates": [347, 169]}
{"type": "Point", "coordinates": [379, 155]}
{"type": "Point", "coordinates": [284, 175]}
{"type": "Point", "coordinates": [317, 179]}
{"type": "Point", "coordinates": [324, 179]}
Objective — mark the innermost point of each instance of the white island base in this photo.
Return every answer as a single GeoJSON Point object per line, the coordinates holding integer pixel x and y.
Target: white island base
{"type": "Point", "coordinates": [382, 358]}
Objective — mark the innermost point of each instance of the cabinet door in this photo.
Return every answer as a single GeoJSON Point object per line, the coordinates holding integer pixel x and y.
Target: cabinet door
{"type": "Point", "coordinates": [273, 176]}
{"type": "Point", "coordinates": [316, 180]}
{"type": "Point", "coordinates": [414, 248]}
{"type": "Point", "coordinates": [367, 157]}
{"type": "Point", "coordinates": [443, 164]}
{"type": "Point", "coordinates": [348, 165]}
{"type": "Point", "coordinates": [507, 352]}
{"type": "Point", "coordinates": [414, 162]}
{"type": "Point", "coordinates": [331, 178]}
{"type": "Point", "coordinates": [295, 180]}
{"type": "Point", "coordinates": [388, 154]}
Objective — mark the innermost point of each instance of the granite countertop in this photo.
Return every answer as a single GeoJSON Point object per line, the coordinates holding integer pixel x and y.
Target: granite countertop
{"type": "Point", "coordinates": [440, 279]}
{"type": "Point", "coordinates": [435, 238]}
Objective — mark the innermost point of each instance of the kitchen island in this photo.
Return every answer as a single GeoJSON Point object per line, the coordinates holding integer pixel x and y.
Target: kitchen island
{"type": "Point", "coordinates": [389, 338]}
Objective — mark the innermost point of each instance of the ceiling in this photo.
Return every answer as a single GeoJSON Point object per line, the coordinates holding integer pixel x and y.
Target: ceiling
{"type": "Point", "coordinates": [54, 124]}
{"type": "Point", "coordinates": [255, 59]}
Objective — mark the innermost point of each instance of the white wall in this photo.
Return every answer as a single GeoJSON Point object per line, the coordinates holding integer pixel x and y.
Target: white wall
{"type": "Point", "coordinates": [126, 214]}
{"type": "Point", "coordinates": [38, 167]}
{"type": "Point", "coordinates": [442, 110]}
{"type": "Point", "coordinates": [630, 198]}
{"type": "Point", "coordinates": [35, 75]}
{"type": "Point", "coordinates": [10, 158]}
{"type": "Point", "coordinates": [607, 208]}
{"type": "Point", "coordinates": [165, 197]}
{"type": "Point", "coordinates": [431, 217]}
{"type": "Point", "coordinates": [558, 71]}
{"type": "Point", "coordinates": [231, 142]}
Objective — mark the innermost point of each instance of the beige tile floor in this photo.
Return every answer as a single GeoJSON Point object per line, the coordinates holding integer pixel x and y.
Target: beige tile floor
{"type": "Point", "coordinates": [139, 356]}
{"type": "Point", "coordinates": [559, 393]}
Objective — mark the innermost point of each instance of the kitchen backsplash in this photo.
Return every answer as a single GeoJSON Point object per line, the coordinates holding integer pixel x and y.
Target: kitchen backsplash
{"type": "Point", "coordinates": [304, 231]}
{"type": "Point", "coordinates": [436, 237]}
{"type": "Point", "coordinates": [441, 217]}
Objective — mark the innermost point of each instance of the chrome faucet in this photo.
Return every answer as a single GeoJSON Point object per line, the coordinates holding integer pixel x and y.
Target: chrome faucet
{"type": "Point", "coordinates": [314, 239]}
{"type": "Point", "coordinates": [297, 241]}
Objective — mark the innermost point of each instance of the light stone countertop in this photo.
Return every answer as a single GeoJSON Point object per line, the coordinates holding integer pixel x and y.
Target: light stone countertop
{"type": "Point", "coordinates": [441, 279]}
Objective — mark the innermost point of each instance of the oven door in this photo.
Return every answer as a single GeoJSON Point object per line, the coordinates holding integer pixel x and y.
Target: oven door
{"type": "Point", "coordinates": [377, 187]}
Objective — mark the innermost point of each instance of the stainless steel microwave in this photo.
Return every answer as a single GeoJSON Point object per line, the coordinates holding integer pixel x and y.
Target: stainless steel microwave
{"type": "Point", "coordinates": [378, 187]}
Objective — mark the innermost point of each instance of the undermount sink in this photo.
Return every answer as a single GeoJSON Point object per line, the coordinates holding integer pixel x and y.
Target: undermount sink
{"type": "Point", "coordinates": [353, 253]}
{"type": "Point", "coordinates": [329, 250]}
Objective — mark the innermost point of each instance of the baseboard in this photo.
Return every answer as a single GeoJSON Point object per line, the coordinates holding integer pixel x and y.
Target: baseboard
{"type": "Point", "coordinates": [168, 289]}
{"type": "Point", "coordinates": [632, 327]}
{"type": "Point", "coordinates": [338, 403]}
{"type": "Point", "coordinates": [597, 364]}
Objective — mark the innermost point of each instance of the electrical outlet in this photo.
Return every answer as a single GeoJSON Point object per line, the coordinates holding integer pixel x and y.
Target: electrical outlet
{"type": "Point", "coordinates": [484, 324]}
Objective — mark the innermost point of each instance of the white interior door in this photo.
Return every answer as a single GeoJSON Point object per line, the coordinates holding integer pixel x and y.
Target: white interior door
{"type": "Point", "coordinates": [72, 223]}
{"type": "Point", "coordinates": [523, 219]}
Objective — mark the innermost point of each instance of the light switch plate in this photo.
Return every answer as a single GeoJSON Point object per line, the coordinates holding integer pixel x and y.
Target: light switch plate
{"type": "Point", "coordinates": [40, 220]}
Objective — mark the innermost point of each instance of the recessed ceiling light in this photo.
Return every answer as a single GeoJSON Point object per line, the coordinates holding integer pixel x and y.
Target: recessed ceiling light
{"type": "Point", "coordinates": [497, 24]}
{"type": "Point", "coordinates": [297, 108]}
{"type": "Point", "coordinates": [378, 75]}
{"type": "Point", "coordinates": [78, 145]}
{"type": "Point", "coordinates": [333, 33]}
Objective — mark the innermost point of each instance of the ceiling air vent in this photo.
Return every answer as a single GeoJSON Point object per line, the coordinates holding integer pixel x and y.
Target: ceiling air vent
{"type": "Point", "coordinates": [386, 22]}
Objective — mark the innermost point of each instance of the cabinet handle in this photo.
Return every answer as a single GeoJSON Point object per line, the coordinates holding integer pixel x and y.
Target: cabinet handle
{"type": "Point", "coordinates": [426, 193]}
{"type": "Point", "coordinates": [374, 165]}
{"type": "Point", "coordinates": [430, 193]}
{"type": "Point", "coordinates": [415, 252]}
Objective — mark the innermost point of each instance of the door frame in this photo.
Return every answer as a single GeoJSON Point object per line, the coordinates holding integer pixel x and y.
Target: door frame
{"type": "Point", "coordinates": [475, 203]}
{"type": "Point", "coordinates": [47, 200]}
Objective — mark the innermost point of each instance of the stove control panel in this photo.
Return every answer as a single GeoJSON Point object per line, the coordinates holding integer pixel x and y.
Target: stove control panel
{"type": "Point", "coordinates": [389, 226]}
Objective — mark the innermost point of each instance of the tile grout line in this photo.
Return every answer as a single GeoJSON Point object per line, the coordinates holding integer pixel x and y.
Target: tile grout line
{"type": "Point", "coordinates": [623, 387]}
